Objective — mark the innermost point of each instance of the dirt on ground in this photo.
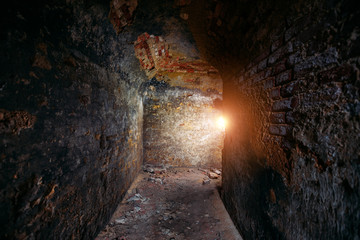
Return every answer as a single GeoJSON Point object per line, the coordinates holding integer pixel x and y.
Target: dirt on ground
{"type": "Point", "coordinates": [172, 203]}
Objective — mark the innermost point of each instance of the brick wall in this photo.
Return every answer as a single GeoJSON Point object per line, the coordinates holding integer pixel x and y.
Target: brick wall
{"type": "Point", "coordinates": [291, 93]}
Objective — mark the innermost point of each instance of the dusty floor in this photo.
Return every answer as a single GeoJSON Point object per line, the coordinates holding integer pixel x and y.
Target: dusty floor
{"type": "Point", "coordinates": [174, 203]}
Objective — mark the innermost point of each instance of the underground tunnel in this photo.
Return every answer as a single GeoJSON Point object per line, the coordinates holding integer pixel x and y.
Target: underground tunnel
{"type": "Point", "coordinates": [112, 119]}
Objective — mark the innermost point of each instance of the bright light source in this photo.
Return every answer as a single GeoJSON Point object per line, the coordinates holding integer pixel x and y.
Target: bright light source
{"type": "Point", "coordinates": [221, 122]}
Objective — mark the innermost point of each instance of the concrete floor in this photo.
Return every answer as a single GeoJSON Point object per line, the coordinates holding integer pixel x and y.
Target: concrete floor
{"type": "Point", "coordinates": [174, 203]}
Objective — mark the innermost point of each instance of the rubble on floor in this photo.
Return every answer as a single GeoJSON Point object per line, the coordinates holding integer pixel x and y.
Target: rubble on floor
{"type": "Point", "coordinates": [172, 203]}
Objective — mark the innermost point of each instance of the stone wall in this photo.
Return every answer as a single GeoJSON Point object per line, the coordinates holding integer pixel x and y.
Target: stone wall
{"type": "Point", "coordinates": [70, 119]}
{"type": "Point", "coordinates": [291, 93]}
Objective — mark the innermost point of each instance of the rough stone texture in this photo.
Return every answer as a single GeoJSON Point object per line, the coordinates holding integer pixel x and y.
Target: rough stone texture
{"type": "Point", "coordinates": [180, 118]}
{"type": "Point", "coordinates": [180, 127]}
{"type": "Point", "coordinates": [291, 93]}
{"type": "Point", "coordinates": [121, 13]}
{"type": "Point", "coordinates": [70, 119]}
{"type": "Point", "coordinates": [15, 121]}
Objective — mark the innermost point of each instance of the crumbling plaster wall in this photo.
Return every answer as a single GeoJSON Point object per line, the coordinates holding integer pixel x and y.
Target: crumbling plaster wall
{"type": "Point", "coordinates": [180, 127]}
{"type": "Point", "coordinates": [180, 111]}
{"type": "Point", "coordinates": [291, 93]}
{"type": "Point", "coordinates": [70, 119]}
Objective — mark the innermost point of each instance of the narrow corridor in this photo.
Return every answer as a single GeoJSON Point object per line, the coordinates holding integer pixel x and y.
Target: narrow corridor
{"type": "Point", "coordinates": [96, 95]}
{"type": "Point", "coordinates": [173, 203]}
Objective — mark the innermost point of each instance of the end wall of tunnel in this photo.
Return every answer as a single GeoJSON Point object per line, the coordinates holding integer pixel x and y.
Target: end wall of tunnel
{"type": "Point", "coordinates": [181, 102]}
{"type": "Point", "coordinates": [180, 128]}
{"type": "Point", "coordinates": [291, 94]}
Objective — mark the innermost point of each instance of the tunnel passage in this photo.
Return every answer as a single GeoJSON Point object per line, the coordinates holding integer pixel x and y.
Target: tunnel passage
{"type": "Point", "coordinates": [79, 113]}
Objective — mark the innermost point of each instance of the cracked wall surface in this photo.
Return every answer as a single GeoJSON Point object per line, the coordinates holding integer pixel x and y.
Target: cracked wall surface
{"type": "Point", "coordinates": [70, 120]}
{"type": "Point", "coordinates": [180, 117]}
{"type": "Point", "coordinates": [291, 84]}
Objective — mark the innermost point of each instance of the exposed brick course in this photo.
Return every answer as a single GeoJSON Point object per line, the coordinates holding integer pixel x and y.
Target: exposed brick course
{"type": "Point", "coordinates": [275, 93]}
{"type": "Point", "coordinates": [289, 117]}
{"type": "Point", "coordinates": [277, 117]}
{"type": "Point", "coordinates": [282, 105]}
{"type": "Point", "coordinates": [280, 130]}
{"type": "Point", "coordinates": [269, 83]}
{"type": "Point", "coordinates": [280, 53]}
{"type": "Point", "coordinates": [289, 89]}
{"type": "Point", "coordinates": [279, 67]}
{"type": "Point", "coordinates": [283, 78]}
{"type": "Point", "coordinates": [153, 54]}
{"type": "Point", "coordinates": [276, 44]}
{"type": "Point", "coordinates": [262, 65]}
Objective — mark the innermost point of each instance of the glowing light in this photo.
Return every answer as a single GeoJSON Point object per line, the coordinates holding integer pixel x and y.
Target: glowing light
{"type": "Point", "coordinates": [221, 122]}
